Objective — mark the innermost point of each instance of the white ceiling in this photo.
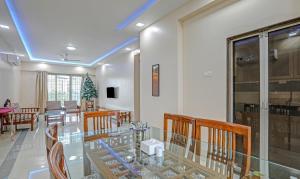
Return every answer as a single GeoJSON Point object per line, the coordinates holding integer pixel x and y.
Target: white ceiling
{"type": "Point", "coordinates": [91, 26]}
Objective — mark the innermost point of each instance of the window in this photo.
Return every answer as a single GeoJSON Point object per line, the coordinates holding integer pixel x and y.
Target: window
{"type": "Point", "coordinates": [76, 86]}
{"type": "Point", "coordinates": [51, 87]}
{"type": "Point", "coordinates": [64, 88]}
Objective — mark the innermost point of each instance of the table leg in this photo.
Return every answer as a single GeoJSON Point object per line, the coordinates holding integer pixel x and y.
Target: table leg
{"type": "Point", "coordinates": [86, 163]}
{"type": "Point", "coordinates": [63, 119]}
{"type": "Point", "coordinates": [1, 119]}
{"type": "Point", "coordinates": [46, 118]}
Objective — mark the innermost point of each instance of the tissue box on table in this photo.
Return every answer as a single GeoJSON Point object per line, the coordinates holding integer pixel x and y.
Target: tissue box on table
{"type": "Point", "coordinates": [148, 146]}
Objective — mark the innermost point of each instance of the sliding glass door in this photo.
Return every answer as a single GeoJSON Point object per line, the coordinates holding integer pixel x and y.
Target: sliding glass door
{"type": "Point", "coordinates": [284, 96]}
{"type": "Point", "coordinates": [246, 88]}
{"type": "Point", "coordinates": [265, 93]}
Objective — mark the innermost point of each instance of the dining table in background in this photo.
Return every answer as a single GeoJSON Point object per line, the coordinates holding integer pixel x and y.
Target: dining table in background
{"type": "Point", "coordinates": [4, 114]}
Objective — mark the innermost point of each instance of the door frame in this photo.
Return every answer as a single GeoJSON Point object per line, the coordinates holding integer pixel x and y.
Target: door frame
{"type": "Point", "coordinates": [264, 82]}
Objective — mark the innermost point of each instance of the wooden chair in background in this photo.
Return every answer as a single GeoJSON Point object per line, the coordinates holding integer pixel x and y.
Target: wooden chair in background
{"type": "Point", "coordinates": [57, 162]}
{"type": "Point", "coordinates": [101, 124]}
{"type": "Point", "coordinates": [125, 116]}
{"type": "Point", "coordinates": [89, 106]}
{"type": "Point", "coordinates": [53, 106]}
{"type": "Point", "coordinates": [72, 107]}
{"type": "Point", "coordinates": [34, 110]}
{"type": "Point", "coordinates": [222, 145]}
{"type": "Point", "coordinates": [21, 116]}
{"type": "Point", "coordinates": [181, 127]}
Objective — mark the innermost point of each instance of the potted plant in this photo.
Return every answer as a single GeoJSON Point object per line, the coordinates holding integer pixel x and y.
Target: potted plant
{"type": "Point", "coordinates": [88, 92]}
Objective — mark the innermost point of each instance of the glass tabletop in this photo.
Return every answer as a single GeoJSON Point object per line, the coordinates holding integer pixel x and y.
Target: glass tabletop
{"type": "Point", "coordinates": [122, 155]}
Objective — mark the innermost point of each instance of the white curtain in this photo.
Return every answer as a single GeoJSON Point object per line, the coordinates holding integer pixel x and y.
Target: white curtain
{"type": "Point", "coordinates": [41, 90]}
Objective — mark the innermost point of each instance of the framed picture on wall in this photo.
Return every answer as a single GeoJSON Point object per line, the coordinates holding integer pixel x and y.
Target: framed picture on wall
{"type": "Point", "coordinates": [155, 80]}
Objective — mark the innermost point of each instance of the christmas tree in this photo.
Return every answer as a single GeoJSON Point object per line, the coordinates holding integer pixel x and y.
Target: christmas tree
{"type": "Point", "coordinates": [88, 90]}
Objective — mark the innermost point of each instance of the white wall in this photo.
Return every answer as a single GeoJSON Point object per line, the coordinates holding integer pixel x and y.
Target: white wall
{"type": "Point", "coordinates": [9, 82]}
{"type": "Point", "coordinates": [117, 71]}
{"type": "Point", "coordinates": [27, 92]}
{"type": "Point", "coordinates": [205, 49]}
{"type": "Point", "coordinates": [159, 45]}
{"type": "Point", "coordinates": [62, 69]}
{"type": "Point", "coordinates": [28, 78]}
{"type": "Point", "coordinates": [185, 54]}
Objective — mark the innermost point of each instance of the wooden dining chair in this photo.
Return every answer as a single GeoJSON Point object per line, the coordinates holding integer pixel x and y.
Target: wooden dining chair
{"type": "Point", "coordinates": [51, 137]}
{"type": "Point", "coordinates": [221, 148]}
{"type": "Point", "coordinates": [181, 127]}
{"type": "Point", "coordinates": [101, 123]}
{"type": "Point", "coordinates": [57, 162]}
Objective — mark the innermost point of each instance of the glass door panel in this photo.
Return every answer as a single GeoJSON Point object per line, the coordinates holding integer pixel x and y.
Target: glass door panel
{"type": "Point", "coordinates": [246, 89]}
{"type": "Point", "coordinates": [63, 88]}
{"type": "Point", "coordinates": [51, 87]}
{"type": "Point", "coordinates": [284, 97]}
{"type": "Point", "coordinates": [76, 87]}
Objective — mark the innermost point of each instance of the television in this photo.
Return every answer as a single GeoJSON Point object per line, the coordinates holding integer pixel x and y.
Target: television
{"type": "Point", "coordinates": [111, 92]}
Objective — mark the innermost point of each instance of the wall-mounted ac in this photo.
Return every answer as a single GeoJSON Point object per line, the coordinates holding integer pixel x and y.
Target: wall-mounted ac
{"type": "Point", "coordinates": [11, 59]}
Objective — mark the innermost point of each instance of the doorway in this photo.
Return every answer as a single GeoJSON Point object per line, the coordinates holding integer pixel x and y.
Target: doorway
{"type": "Point", "coordinates": [264, 83]}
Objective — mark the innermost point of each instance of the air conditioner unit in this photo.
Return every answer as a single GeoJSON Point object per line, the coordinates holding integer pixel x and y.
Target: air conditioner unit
{"type": "Point", "coordinates": [11, 59]}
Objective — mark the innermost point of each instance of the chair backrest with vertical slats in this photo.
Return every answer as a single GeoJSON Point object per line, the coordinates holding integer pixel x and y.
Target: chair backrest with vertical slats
{"type": "Point", "coordinates": [101, 123]}
{"type": "Point", "coordinates": [125, 116]}
{"type": "Point", "coordinates": [57, 162]}
{"type": "Point", "coordinates": [222, 142]}
{"type": "Point", "coordinates": [181, 126]}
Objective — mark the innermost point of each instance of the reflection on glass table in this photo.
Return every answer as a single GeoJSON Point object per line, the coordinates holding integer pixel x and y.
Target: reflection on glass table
{"type": "Point", "coordinates": [120, 156]}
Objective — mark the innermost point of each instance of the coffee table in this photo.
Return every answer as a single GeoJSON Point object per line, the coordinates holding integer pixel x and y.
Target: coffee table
{"type": "Point", "coordinates": [55, 116]}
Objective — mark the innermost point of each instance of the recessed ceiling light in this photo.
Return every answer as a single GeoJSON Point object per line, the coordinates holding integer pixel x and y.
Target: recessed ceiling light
{"type": "Point", "coordinates": [139, 24]}
{"type": "Point", "coordinates": [4, 26]}
{"type": "Point", "coordinates": [136, 51]}
{"type": "Point", "coordinates": [71, 48]}
{"type": "Point", "coordinates": [128, 49]}
{"type": "Point", "coordinates": [293, 34]}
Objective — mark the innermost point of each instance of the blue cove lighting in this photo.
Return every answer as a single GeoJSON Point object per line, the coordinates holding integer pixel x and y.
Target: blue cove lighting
{"type": "Point", "coordinates": [115, 49]}
{"type": "Point", "coordinates": [137, 13]}
{"type": "Point", "coordinates": [25, 41]}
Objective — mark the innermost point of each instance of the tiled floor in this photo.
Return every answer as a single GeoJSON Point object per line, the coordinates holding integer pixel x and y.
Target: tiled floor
{"type": "Point", "coordinates": [25, 156]}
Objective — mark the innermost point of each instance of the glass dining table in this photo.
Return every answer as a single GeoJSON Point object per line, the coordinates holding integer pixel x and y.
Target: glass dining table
{"type": "Point", "coordinates": [120, 156]}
